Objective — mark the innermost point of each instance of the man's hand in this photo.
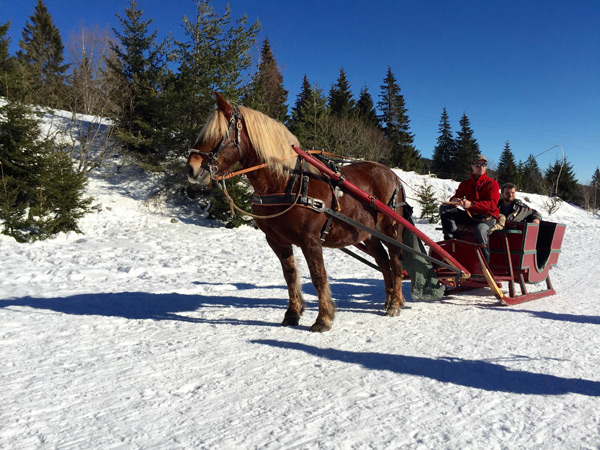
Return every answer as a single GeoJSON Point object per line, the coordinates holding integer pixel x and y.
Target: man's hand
{"type": "Point", "coordinates": [537, 221]}
{"type": "Point", "coordinates": [465, 203]}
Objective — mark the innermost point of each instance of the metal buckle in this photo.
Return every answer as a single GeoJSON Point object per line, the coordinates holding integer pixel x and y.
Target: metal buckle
{"type": "Point", "coordinates": [317, 205]}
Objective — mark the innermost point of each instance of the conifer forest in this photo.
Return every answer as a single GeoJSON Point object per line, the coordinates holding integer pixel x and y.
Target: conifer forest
{"type": "Point", "coordinates": [150, 94]}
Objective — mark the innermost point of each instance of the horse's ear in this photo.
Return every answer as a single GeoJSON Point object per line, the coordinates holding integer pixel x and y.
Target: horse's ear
{"type": "Point", "coordinates": [223, 104]}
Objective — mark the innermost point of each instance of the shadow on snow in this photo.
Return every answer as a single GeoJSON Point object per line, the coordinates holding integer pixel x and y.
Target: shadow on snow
{"type": "Point", "coordinates": [593, 320]}
{"type": "Point", "coordinates": [463, 372]}
{"type": "Point", "coordinates": [170, 306]}
{"type": "Point", "coordinates": [142, 305]}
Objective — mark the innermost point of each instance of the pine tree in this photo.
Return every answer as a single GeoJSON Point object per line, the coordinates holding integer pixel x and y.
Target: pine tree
{"type": "Point", "coordinates": [396, 125]}
{"type": "Point", "coordinates": [429, 204]}
{"type": "Point", "coordinates": [60, 202]}
{"type": "Point", "coordinates": [365, 108]}
{"type": "Point", "coordinates": [4, 44]}
{"type": "Point", "coordinates": [466, 147]}
{"type": "Point", "coordinates": [41, 193]}
{"type": "Point", "coordinates": [144, 121]}
{"type": "Point", "coordinates": [212, 58]}
{"type": "Point", "coordinates": [6, 62]}
{"type": "Point", "coordinates": [507, 169]}
{"type": "Point", "coordinates": [560, 181]}
{"type": "Point", "coordinates": [41, 59]}
{"type": "Point", "coordinates": [532, 180]}
{"type": "Point", "coordinates": [341, 102]}
{"type": "Point", "coordinates": [266, 92]}
{"type": "Point", "coordinates": [444, 149]}
{"type": "Point", "coordinates": [309, 116]}
{"type": "Point", "coordinates": [302, 101]}
{"type": "Point", "coordinates": [595, 184]}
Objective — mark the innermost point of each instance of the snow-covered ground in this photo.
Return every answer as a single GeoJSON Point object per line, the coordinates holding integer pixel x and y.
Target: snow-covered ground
{"type": "Point", "coordinates": [154, 329]}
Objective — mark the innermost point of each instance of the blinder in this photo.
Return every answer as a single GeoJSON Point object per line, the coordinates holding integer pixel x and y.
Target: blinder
{"type": "Point", "coordinates": [235, 121]}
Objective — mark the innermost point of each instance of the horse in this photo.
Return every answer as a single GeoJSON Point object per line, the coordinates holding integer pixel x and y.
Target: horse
{"type": "Point", "coordinates": [237, 134]}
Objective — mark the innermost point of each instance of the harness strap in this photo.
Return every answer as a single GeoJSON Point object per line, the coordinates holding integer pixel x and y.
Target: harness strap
{"type": "Point", "coordinates": [286, 199]}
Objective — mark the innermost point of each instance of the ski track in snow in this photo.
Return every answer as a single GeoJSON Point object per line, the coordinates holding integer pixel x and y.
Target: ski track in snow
{"type": "Point", "coordinates": [144, 332]}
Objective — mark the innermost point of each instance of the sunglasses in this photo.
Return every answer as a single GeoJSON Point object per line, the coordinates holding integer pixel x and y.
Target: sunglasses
{"type": "Point", "coordinates": [479, 164]}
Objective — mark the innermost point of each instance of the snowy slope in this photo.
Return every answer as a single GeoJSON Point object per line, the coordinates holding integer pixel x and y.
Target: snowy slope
{"type": "Point", "coordinates": [157, 330]}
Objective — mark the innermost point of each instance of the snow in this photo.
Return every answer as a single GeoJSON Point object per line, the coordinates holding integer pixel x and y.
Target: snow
{"type": "Point", "coordinates": [157, 329]}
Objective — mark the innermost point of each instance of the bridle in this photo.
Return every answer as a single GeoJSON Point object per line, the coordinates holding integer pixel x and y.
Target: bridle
{"type": "Point", "coordinates": [234, 123]}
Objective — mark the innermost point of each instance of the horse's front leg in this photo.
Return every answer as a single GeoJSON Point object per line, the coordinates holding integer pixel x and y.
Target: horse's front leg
{"type": "Point", "coordinates": [313, 253]}
{"type": "Point", "coordinates": [285, 253]}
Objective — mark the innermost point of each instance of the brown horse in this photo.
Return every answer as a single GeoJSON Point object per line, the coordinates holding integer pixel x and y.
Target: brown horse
{"type": "Point", "coordinates": [239, 134]}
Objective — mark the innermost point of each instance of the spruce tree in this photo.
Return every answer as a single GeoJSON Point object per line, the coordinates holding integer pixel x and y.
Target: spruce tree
{"type": "Point", "coordinates": [144, 121]}
{"type": "Point", "coordinates": [4, 44]}
{"type": "Point", "coordinates": [41, 59]}
{"type": "Point", "coordinates": [341, 102]}
{"type": "Point", "coordinates": [365, 109]}
{"type": "Point", "coordinates": [595, 184]}
{"type": "Point", "coordinates": [507, 169]}
{"type": "Point", "coordinates": [6, 63]}
{"type": "Point", "coordinates": [266, 92]}
{"type": "Point", "coordinates": [444, 149]}
{"type": "Point", "coordinates": [560, 181]}
{"type": "Point", "coordinates": [396, 125]}
{"type": "Point", "coordinates": [60, 203]}
{"type": "Point", "coordinates": [302, 101]}
{"type": "Point", "coordinates": [532, 180]}
{"type": "Point", "coordinates": [41, 193]}
{"type": "Point", "coordinates": [466, 147]}
{"type": "Point", "coordinates": [213, 57]}
{"type": "Point", "coordinates": [309, 116]}
{"type": "Point", "coordinates": [429, 204]}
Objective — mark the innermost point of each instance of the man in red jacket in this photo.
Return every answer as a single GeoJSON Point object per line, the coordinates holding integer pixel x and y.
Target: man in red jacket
{"type": "Point", "coordinates": [478, 197]}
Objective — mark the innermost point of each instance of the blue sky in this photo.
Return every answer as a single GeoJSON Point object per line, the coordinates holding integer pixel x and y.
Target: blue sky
{"type": "Point", "coordinates": [523, 71]}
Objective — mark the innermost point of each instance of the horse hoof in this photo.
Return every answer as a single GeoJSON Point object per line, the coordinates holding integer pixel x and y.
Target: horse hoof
{"type": "Point", "coordinates": [320, 327]}
{"type": "Point", "coordinates": [393, 311]}
{"type": "Point", "coordinates": [290, 321]}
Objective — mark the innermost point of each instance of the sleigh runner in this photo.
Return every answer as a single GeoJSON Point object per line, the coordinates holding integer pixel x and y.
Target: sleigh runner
{"type": "Point", "coordinates": [297, 202]}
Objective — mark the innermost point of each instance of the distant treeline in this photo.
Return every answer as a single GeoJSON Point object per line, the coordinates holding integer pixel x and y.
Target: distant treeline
{"type": "Point", "coordinates": [158, 91]}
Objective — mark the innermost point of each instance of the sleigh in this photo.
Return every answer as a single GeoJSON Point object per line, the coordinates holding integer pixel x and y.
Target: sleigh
{"type": "Point", "coordinates": [521, 254]}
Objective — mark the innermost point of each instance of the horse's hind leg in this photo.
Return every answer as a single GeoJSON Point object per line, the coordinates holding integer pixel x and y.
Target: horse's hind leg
{"type": "Point", "coordinates": [396, 298]}
{"type": "Point", "coordinates": [285, 253]}
{"type": "Point", "coordinates": [378, 252]}
{"type": "Point", "coordinates": [313, 253]}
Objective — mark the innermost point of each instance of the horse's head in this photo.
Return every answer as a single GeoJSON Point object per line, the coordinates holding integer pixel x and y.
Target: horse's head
{"type": "Point", "coordinates": [219, 144]}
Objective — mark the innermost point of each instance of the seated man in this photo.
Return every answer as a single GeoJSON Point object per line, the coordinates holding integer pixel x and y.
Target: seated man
{"type": "Point", "coordinates": [479, 196]}
{"type": "Point", "coordinates": [514, 209]}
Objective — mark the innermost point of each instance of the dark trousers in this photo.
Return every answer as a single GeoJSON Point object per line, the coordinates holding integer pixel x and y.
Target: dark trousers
{"type": "Point", "coordinates": [454, 218]}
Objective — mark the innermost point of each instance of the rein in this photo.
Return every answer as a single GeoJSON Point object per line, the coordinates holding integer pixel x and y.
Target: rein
{"type": "Point", "coordinates": [260, 166]}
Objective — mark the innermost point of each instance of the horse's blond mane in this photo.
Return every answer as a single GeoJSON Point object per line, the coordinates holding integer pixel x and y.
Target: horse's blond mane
{"type": "Point", "coordinates": [271, 140]}
{"type": "Point", "coordinates": [214, 129]}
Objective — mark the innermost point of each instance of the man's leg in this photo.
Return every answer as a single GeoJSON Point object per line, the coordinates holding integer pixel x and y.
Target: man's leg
{"type": "Point", "coordinates": [481, 231]}
{"type": "Point", "coordinates": [451, 217]}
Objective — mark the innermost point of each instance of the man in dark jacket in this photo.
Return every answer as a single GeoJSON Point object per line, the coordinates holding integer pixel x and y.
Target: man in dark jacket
{"type": "Point", "coordinates": [514, 209]}
{"type": "Point", "coordinates": [478, 196]}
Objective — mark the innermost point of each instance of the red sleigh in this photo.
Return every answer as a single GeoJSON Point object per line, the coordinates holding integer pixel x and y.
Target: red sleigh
{"type": "Point", "coordinates": [521, 254]}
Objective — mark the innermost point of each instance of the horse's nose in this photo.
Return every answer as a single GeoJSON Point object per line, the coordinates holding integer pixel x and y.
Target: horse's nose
{"type": "Point", "coordinates": [189, 170]}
